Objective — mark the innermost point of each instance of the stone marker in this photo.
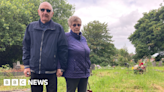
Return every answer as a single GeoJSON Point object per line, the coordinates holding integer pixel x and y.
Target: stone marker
{"type": "Point", "coordinates": [14, 65]}
{"type": "Point", "coordinates": [93, 66]}
{"type": "Point", "coordinates": [18, 65]}
{"type": "Point", "coordinates": [90, 71]}
{"type": "Point", "coordinates": [154, 63]}
{"type": "Point", "coordinates": [160, 63]}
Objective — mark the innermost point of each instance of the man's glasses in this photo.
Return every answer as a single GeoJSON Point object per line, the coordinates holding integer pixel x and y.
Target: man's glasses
{"type": "Point", "coordinates": [46, 10]}
{"type": "Point", "coordinates": [74, 25]}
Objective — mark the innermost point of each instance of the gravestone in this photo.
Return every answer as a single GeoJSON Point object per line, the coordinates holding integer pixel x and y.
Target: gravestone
{"type": "Point", "coordinates": [160, 63]}
{"type": "Point", "coordinates": [91, 71]}
{"type": "Point", "coordinates": [93, 66]}
{"type": "Point", "coordinates": [14, 65]}
{"type": "Point", "coordinates": [154, 63]}
{"type": "Point", "coordinates": [18, 65]}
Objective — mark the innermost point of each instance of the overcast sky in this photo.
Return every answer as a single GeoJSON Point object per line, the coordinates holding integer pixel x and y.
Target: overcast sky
{"type": "Point", "coordinates": [120, 15]}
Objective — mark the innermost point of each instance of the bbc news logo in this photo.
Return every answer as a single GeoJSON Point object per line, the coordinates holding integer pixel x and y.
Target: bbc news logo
{"type": "Point", "coordinates": [22, 82]}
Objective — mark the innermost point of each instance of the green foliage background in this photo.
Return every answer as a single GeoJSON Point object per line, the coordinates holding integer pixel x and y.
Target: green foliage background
{"type": "Point", "coordinates": [99, 42]}
{"type": "Point", "coordinates": [16, 15]}
{"type": "Point", "coordinates": [148, 37]}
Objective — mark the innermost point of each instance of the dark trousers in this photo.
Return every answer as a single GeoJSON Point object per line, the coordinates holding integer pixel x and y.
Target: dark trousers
{"type": "Point", "coordinates": [73, 83]}
{"type": "Point", "coordinates": [52, 82]}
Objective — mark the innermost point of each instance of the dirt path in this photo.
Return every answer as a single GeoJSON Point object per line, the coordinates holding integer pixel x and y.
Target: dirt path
{"type": "Point", "coordinates": [158, 87]}
{"type": "Point", "coordinates": [22, 90]}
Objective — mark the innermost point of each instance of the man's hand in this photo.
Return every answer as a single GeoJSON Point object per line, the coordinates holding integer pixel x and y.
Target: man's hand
{"type": "Point", "coordinates": [59, 73]}
{"type": "Point", "coordinates": [27, 72]}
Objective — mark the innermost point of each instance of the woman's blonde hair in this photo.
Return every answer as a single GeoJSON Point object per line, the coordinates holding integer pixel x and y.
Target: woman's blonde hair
{"type": "Point", "coordinates": [73, 19]}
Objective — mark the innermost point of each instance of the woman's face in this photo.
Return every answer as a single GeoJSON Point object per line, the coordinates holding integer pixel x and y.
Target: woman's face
{"type": "Point", "coordinates": [75, 27]}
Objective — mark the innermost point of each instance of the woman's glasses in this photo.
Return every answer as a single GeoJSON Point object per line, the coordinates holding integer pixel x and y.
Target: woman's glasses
{"type": "Point", "coordinates": [46, 10]}
{"type": "Point", "coordinates": [74, 25]}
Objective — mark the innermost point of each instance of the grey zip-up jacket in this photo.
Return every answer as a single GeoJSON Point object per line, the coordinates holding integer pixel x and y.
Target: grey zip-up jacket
{"type": "Point", "coordinates": [42, 49]}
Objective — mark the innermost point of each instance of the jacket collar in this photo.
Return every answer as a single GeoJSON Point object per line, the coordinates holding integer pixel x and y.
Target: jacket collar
{"type": "Point", "coordinates": [78, 37]}
{"type": "Point", "coordinates": [44, 25]}
{"type": "Point", "coordinates": [51, 25]}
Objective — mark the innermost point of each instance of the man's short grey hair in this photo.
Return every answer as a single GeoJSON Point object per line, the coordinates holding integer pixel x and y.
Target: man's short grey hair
{"type": "Point", "coordinates": [73, 19]}
{"type": "Point", "coordinates": [47, 3]}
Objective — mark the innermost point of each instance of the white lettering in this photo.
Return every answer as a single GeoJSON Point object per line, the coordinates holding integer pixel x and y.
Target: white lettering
{"type": "Point", "coordinates": [30, 82]}
{"type": "Point", "coordinates": [40, 82]}
{"type": "Point", "coordinates": [45, 82]}
{"type": "Point", "coordinates": [35, 82]}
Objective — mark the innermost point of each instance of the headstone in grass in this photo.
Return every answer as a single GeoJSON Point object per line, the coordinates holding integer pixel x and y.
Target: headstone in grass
{"type": "Point", "coordinates": [154, 63]}
{"type": "Point", "coordinates": [18, 65]}
{"type": "Point", "coordinates": [93, 66]}
{"type": "Point", "coordinates": [14, 65]}
{"type": "Point", "coordinates": [160, 63]}
{"type": "Point", "coordinates": [91, 71]}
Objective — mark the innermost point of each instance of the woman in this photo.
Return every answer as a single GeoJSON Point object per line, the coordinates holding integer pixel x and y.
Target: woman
{"type": "Point", "coordinates": [78, 69]}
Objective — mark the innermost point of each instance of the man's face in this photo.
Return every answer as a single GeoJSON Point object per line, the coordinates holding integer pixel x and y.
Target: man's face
{"type": "Point", "coordinates": [45, 12]}
{"type": "Point", "coordinates": [75, 27]}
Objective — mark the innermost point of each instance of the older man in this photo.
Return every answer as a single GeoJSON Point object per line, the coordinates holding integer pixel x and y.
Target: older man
{"type": "Point", "coordinates": [44, 44]}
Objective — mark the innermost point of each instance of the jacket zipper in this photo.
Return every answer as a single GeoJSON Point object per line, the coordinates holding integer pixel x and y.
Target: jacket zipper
{"type": "Point", "coordinates": [85, 53]}
{"type": "Point", "coordinates": [41, 51]}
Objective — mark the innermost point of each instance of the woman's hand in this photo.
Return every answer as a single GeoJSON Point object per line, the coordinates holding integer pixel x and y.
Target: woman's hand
{"type": "Point", "coordinates": [59, 73]}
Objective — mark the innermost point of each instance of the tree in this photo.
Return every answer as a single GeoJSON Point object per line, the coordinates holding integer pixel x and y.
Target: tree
{"type": "Point", "coordinates": [17, 14]}
{"type": "Point", "coordinates": [148, 37]}
{"type": "Point", "coordinates": [123, 56]}
{"type": "Point", "coordinates": [12, 23]}
{"type": "Point", "coordinates": [99, 42]}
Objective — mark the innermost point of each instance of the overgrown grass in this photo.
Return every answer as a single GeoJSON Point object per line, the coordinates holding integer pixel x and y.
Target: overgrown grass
{"type": "Point", "coordinates": [113, 80]}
